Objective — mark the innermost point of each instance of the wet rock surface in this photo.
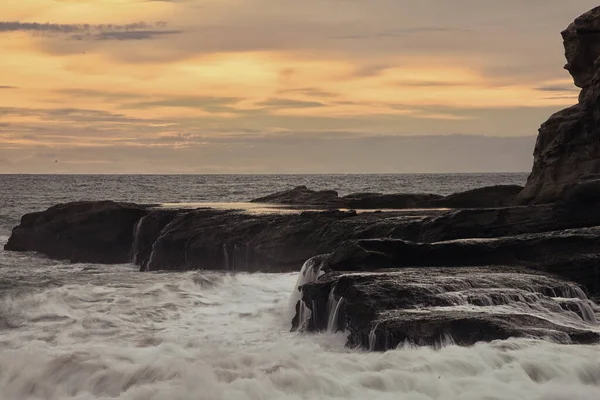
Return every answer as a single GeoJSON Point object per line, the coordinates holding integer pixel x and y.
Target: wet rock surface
{"type": "Point", "coordinates": [385, 309]}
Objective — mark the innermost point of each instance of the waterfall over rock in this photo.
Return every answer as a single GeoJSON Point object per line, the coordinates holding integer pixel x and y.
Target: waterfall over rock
{"type": "Point", "coordinates": [431, 306]}
{"type": "Point", "coordinates": [310, 272]}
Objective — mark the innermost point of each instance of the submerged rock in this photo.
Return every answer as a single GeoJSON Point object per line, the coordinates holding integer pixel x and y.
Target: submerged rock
{"type": "Point", "coordinates": [568, 145]}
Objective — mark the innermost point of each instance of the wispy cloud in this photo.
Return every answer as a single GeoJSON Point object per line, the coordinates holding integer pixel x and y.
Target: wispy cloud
{"type": "Point", "coordinates": [7, 87]}
{"type": "Point", "coordinates": [133, 31]}
{"type": "Point", "coordinates": [207, 103]}
{"type": "Point", "coordinates": [290, 103]}
{"type": "Point", "coordinates": [555, 88]}
{"type": "Point", "coordinates": [402, 32]}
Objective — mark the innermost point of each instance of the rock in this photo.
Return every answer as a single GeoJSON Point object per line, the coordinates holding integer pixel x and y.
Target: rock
{"type": "Point", "coordinates": [237, 241]}
{"type": "Point", "coordinates": [383, 309]}
{"type": "Point", "coordinates": [581, 194]}
{"type": "Point", "coordinates": [375, 201]}
{"type": "Point", "coordinates": [489, 223]}
{"type": "Point", "coordinates": [302, 196]}
{"type": "Point", "coordinates": [567, 148]}
{"type": "Point", "coordinates": [485, 197]}
{"type": "Point", "coordinates": [92, 232]}
{"type": "Point", "coordinates": [550, 251]}
{"type": "Point", "coordinates": [163, 239]}
{"type": "Point", "coordinates": [464, 328]}
{"type": "Point", "coordinates": [582, 47]}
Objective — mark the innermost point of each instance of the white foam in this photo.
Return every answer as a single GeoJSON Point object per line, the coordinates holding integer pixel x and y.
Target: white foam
{"type": "Point", "coordinates": [126, 335]}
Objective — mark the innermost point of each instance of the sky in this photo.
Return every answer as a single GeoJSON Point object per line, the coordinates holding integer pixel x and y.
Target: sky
{"type": "Point", "coordinates": [279, 86]}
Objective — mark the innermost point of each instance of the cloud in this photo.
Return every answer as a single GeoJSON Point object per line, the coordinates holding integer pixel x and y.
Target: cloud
{"type": "Point", "coordinates": [289, 103]}
{"type": "Point", "coordinates": [8, 87]}
{"type": "Point", "coordinates": [207, 103]}
{"type": "Point", "coordinates": [403, 32]}
{"type": "Point", "coordinates": [128, 35]}
{"type": "Point", "coordinates": [133, 31]}
{"type": "Point", "coordinates": [555, 88]}
{"type": "Point", "coordinates": [73, 115]}
{"type": "Point", "coordinates": [311, 92]}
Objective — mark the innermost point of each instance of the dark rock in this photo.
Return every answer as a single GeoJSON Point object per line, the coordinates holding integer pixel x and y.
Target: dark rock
{"type": "Point", "coordinates": [94, 232]}
{"type": "Point", "coordinates": [381, 310]}
{"type": "Point", "coordinates": [568, 145]}
{"type": "Point", "coordinates": [551, 251]}
{"type": "Point", "coordinates": [581, 40]}
{"type": "Point", "coordinates": [375, 201]}
{"type": "Point", "coordinates": [302, 196]}
{"type": "Point", "coordinates": [581, 194]}
{"type": "Point", "coordinates": [485, 197]}
{"type": "Point", "coordinates": [489, 223]}
{"type": "Point", "coordinates": [162, 239]}
{"type": "Point", "coordinates": [463, 328]}
{"type": "Point", "coordinates": [230, 240]}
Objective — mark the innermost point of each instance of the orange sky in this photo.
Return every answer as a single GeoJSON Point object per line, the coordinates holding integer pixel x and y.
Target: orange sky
{"type": "Point", "coordinates": [176, 75]}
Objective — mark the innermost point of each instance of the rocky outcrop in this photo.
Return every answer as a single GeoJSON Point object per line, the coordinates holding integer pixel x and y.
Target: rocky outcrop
{"type": "Point", "coordinates": [93, 232]}
{"type": "Point", "coordinates": [574, 212]}
{"type": "Point", "coordinates": [486, 197]}
{"type": "Point", "coordinates": [163, 239]}
{"type": "Point", "coordinates": [375, 201]}
{"type": "Point", "coordinates": [568, 145]}
{"type": "Point", "coordinates": [381, 310]}
{"type": "Point", "coordinates": [384, 293]}
{"type": "Point", "coordinates": [553, 252]}
{"type": "Point", "coordinates": [303, 196]}
{"type": "Point", "coordinates": [237, 241]}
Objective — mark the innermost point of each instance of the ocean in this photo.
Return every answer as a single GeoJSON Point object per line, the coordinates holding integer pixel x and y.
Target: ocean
{"type": "Point", "coordinates": [85, 331]}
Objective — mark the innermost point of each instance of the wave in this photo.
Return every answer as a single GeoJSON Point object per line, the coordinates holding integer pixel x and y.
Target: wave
{"type": "Point", "coordinates": [123, 335]}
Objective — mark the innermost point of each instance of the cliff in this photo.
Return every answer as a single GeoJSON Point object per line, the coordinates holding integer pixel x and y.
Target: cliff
{"type": "Point", "coordinates": [567, 151]}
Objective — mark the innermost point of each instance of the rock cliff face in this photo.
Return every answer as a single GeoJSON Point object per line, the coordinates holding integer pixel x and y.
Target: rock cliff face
{"type": "Point", "coordinates": [567, 151]}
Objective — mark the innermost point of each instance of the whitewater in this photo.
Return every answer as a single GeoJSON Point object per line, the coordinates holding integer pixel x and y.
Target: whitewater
{"type": "Point", "coordinates": [86, 331]}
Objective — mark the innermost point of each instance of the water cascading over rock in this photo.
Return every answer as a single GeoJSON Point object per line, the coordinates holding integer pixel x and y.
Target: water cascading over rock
{"type": "Point", "coordinates": [382, 310]}
{"type": "Point", "coordinates": [311, 271]}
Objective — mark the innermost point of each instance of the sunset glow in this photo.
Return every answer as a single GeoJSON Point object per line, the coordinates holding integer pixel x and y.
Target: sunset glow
{"type": "Point", "coordinates": [140, 71]}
